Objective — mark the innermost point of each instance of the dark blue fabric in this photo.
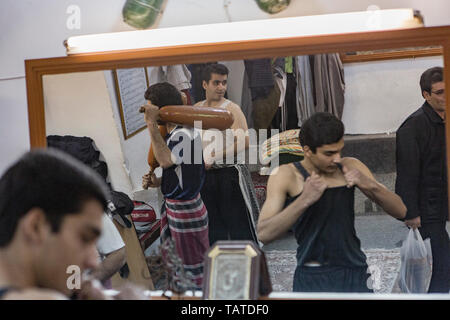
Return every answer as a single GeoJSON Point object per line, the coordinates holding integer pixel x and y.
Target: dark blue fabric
{"type": "Point", "coordinates": [260, 77]}
{"type": "Point", "coordinates": [227, 212]}
{"type": "Point", "coordinates": [331, 279]}
{"type": "Point", "coordinates": [186, 185]}
{"type": "Point", "coordinates": [325, 232]}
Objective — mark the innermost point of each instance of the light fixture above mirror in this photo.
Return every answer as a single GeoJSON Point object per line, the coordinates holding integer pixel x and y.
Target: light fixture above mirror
{"type": "Point", "coordinates": [280, 28]}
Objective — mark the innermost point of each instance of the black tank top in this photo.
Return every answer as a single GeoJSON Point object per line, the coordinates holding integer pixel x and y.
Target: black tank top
{"type": "Point", "coordinates": [325, 232]}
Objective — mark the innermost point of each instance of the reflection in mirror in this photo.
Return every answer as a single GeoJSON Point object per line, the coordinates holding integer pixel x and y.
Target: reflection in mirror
{"type": "Point", "coordinates": [371, 98]}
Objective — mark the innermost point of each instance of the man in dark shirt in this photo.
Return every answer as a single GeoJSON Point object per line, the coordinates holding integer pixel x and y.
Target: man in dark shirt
{"type": "Point", "coordinates": [184, 217]}
{"type": "Point", "coordinates": [422, 174]}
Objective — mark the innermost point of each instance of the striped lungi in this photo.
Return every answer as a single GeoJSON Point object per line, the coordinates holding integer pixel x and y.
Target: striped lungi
{"type": "Point", "coordinates": [186, 222]}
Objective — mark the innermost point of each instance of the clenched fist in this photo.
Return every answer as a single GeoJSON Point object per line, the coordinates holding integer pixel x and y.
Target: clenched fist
{"type": "Point", "coordinates": [151, 113]}
{"type": "Point", "coordinates": [150, 180]}
{"type": "Point", "coordinates": [313, 188]}
{"type": "Point", "coordinates": [354, 177]}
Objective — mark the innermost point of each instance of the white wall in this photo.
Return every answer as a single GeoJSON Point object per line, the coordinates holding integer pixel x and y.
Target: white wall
{"type": "Point", "coordinates": [381, 94]}
{"type": "Point", "coordinates": [37, 28]}
{"type": "Point", "coordinates": [86, 112]}
{"type": "Point", "coordinates": [135, 151]}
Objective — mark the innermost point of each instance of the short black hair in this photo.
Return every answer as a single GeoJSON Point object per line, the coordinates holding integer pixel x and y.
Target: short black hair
{"type": "Point", "coordinates": [429, 77]}
{"type": "Point", "coordinates": [48, 179]}
{"type": "Point", "coordinates": [163, 94]}
{"type": "Point", "coordinates": [216, 68]}
{"type": "Point", "coordinates": [320, 129]}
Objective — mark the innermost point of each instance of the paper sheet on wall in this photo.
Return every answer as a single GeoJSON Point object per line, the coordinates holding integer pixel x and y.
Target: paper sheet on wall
{"type": "Point", "coordinates": [131, 85]}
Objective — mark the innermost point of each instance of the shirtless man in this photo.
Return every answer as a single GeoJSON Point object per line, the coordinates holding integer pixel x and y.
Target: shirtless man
{"type": "Point", "coordinates": [315, 197]}
{"type": "Point", "coordinates": [51, 212]}
{"type": "Point", "coordinates": [229, 217]}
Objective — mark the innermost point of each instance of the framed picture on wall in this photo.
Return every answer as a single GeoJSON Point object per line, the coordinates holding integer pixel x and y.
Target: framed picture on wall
{"type": "Point", "coordinates": [130, 88]}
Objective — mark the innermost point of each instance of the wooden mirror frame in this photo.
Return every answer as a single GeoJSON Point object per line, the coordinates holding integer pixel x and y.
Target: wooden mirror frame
{"type": "Point", "coordinates": [362, 41]}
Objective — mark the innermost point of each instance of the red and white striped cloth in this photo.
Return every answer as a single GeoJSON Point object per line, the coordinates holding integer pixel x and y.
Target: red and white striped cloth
{"type": "Point", "coordinates": [186, 222]}
{"type": "Point", "coordinates": [146, 223]}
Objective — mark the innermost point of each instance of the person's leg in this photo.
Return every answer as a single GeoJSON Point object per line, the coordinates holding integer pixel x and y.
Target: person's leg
{"type": "Point", "coordinates": [188, 224]}
{"type": "Point", "coordinates": [233, 208]}
{"type": "Point", "coordinates": [210, 194]}
{"type": "Point", "coordinates": [440, 248]}
{"type": "Point", "coordinates": [359, 280]}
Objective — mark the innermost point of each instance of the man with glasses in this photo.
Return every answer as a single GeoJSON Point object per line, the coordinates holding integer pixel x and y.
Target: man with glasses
{"type": "Point", "coordinates": [422, 174]}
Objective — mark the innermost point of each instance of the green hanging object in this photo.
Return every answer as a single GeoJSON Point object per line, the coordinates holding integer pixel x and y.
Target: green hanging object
{"type": "Point", "coordinates": [141, 14]}
{"type": "Point", "coordinates": [273, 6]}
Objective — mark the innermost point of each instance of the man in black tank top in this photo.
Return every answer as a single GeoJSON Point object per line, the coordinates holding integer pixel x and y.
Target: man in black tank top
{"type": "Point", "coordinates": [315, 198]}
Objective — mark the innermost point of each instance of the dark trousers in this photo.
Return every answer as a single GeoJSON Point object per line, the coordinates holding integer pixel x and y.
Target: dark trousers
{"type": "Point", "coordinates": [331, 279]}
{"type": "Point", "coordinates": [440, 249]}
{"type": "Point", "coordinates": [227, 211]}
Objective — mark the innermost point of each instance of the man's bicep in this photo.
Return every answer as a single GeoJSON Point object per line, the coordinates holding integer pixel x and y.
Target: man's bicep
{"type": "Point", "coordinates": [275, 197]}
{"type": "Point", "coordinates": [363, 168]}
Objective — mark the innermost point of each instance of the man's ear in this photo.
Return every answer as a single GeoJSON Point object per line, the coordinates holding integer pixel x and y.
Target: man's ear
{"type": "Point", "coordinates": [204, 84]}
{"type": "Point", "coordinates": [34, 226]}
{"type": "Point", "coordinates": [307, 151]}
{"type": "Point", "coordinates": [426, 95]}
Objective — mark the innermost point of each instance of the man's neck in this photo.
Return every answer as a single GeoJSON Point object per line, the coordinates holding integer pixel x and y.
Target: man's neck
{"type": "Point", "coordinates": [213, 103]}
{"type": "Point", "coordinates": [439, 113]}
{"type": "Point", "coordinates": [310, 167]}
{"type": "Point", "coordinates": [14, 271]}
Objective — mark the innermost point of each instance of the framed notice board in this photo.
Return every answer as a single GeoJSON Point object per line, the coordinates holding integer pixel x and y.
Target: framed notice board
{"type": "Point", "coordinates": [130, 88]}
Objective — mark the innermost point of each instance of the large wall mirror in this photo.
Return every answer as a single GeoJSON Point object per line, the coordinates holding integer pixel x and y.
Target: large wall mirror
{"type": "Point", "coordinates": [78, 95]}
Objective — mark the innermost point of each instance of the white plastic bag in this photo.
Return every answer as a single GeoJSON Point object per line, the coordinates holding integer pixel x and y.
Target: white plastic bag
{"type": "Point", "coordinates": [416, 264]}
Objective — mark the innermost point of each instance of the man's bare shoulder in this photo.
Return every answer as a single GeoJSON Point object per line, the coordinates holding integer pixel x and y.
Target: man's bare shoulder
{"type": "Point", "coordinates": [354, 163]}
{"type": "Point", "coordinates": [34, 294]}
{"type": "Point", "coordinates": [351, 162]}
{"type": "Point", "coordinates": [283, 181]}
{"type": "Point", "coordinates": [231, 106]}
{"type": "Point", "coordinates": [284, 173]}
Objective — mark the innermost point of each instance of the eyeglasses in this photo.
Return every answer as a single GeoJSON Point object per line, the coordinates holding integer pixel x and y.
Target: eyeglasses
{"type": "Point", "coordinates": [439, 92]}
